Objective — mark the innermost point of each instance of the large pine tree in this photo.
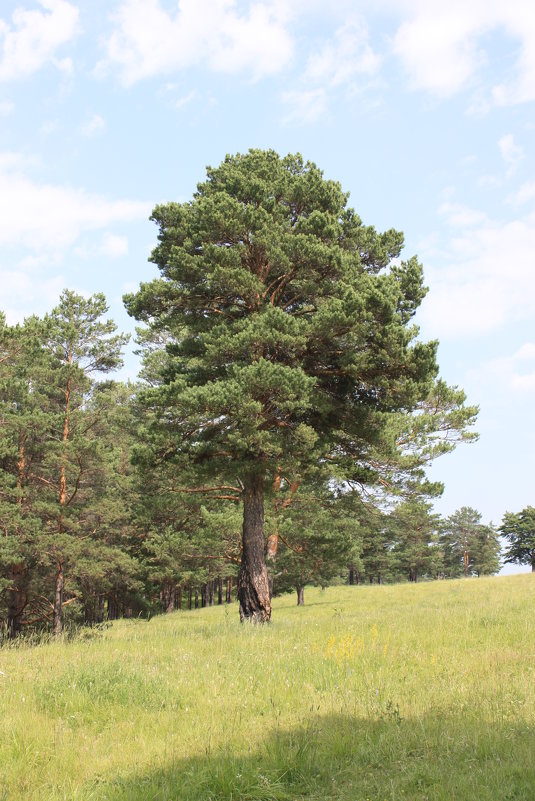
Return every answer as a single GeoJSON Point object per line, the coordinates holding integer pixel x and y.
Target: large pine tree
{"type": "Point", "coordinates": [289, 337]}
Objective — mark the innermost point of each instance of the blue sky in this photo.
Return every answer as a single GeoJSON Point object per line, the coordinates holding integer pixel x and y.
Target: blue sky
{"type": "Point", "coordinates": [424, 111]}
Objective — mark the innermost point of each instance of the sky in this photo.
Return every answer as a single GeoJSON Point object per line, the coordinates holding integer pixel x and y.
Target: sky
{"type": "Point", "coordinates": [424, 111]}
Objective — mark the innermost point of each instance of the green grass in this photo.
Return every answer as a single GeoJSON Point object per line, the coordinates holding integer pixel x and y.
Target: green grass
{"type": "Point", "coordinates": [422, 692]}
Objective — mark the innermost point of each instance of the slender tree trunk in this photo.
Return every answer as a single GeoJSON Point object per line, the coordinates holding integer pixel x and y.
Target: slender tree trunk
{"type": "Point", "coordinates": [196, 597]}
{"type": "Point", "coordinates": [300, 596]}
{"type": "Point", "coordinates": [351, 576]}
{"type": "Point", "coordinates": [219, 590]}
{"type": "Point", "coordinates": [16, 573]}
{"type": "Point", "coordinates": [253, 583]}
{"type": "Point", "coordinates": [179, 597]}
{"type": "Point", "coordinates": [211, 593]}
{"type": "Point", "coordinates": [228, 595]}
{"type": "Point", "coordinates": [190, 597]}
{"type": "Point", "coordinates": [60, 572]}
{"type": "Point", "coordinates": [16, 598]}
{"type": "Point", "coordinates": [58, 600]}
{"type": "Point", "coordinates": [100, 608]}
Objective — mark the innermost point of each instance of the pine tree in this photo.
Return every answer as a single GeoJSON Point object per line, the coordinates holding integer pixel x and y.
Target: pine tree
{"type": "Point", "coordinates": [288, 334]}
{"type": "Point", "coordinates": [81, 345]}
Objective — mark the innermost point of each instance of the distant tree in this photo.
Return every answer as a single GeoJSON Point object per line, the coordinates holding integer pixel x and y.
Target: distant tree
{"type": "Point", "coordinates": [413, 528]}
{"type": "Point", "coordinates": [315, 538]}
{"type": "Point", "coordinates": [469, 547]}
{"type": "Point", "coordinates": [288, 336]}
{"type": "Point", "coordinates": [519, 531]}
{"type": "Point", "coordinates": [485, 559]}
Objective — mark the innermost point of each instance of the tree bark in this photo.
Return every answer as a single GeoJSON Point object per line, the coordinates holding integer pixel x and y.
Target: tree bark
{"type": "Point", "coordinates": [228, 594]}
{"type": "Point", "coordinates": [300, 596]}
{"type": "Point", "coordinates": [58, 600]}
{"type": "Point", "coordinates": [167, 596]}
{"type": "Point", "coordinates": [219, 590]}
{"type": "Point", "coordinates": [253, 583]}
{"type": "Point", "coordinates": [16, 600]}
{"type": "Point", "coordinates": [351, 576]}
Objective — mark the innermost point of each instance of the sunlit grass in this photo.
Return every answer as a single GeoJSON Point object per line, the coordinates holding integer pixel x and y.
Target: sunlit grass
{"type": "Point", "coordinates": [403, 692]}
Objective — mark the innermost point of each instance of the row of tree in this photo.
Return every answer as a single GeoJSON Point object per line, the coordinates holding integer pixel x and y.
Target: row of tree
{"type": "Point", "coordinates": [279, 433]}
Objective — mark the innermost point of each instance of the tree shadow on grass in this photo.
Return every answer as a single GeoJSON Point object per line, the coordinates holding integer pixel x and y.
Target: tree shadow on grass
{"type": "Point", "coordinates": [342, 758]}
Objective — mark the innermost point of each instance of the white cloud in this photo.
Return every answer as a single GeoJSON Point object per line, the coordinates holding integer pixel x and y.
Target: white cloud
{"type": "Point", "coordinates": [512, 154]}
{"type": "Point", "coordinates": [460, 216]}
{"type": "Point", "coordinates": [525, 194]}
{"type": "Point", "coordinates": [93, 126]}
{"type": "Point", "coordinates": [33, 37]}
{"type": "Point", "coordinates": [20, 292]}
{"type": "Point", "coordinates": [305, 106]}
{"type": "Point", "coordinates": [442, 46]}
{"type": "Point", "coordinates": [344, 57]}
{"type": "Point", "coordinates": [185, 99]}
{"type": "Point", "coordinates": [438, 49]}
{"type": "Point", "coordinates": [345, 62]}
{"type": "Point", "coordinates": [113, 245]}
{"type": "Point", "coordinates": [6, 108]}
{"type": "Point", "coordinates": [485, 279]}
{"type": "Point", "coordinates": [51, 217]}
{"type": "Point", "coordinates": [515, 372]}
{"type": "Point", "coordinates": [147, 41]}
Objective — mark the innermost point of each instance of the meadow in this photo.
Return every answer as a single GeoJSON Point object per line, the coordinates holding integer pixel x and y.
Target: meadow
{"type": "Point", "coordinates": [381, 693]}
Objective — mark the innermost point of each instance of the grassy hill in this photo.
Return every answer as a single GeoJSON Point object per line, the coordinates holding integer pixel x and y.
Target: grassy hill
{"type": "Point", "coordinates": [382, 693]}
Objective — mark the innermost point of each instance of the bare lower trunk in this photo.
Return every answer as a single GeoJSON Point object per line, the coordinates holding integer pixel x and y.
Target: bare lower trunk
{"type": "Point", "coordinates": [300, 596]}
{"type": "Point", "coordinates": [219, 590]}
{"type": "Point", "coordinates": [167, 596]}
{"type": "Point", "coordinates": [228, 594]}
{"type": "Point", "coordinates": [58, 600]}
{"type": "Point", "coordinates": [16, 598]}
{"type": "Point", "coordinates": [253, 583]}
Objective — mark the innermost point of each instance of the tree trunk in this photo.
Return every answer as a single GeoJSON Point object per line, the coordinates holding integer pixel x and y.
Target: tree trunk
{"type": "Point", "coordinates": [211, 593]}
{"type": "Point", "coordinates": [219, 590]}
{"type": "Point", "coordinates": [253, 583]}
{"type": "Point", "coordinates": [167, 596]}
{"type": "Point", "coordinates": [16, 599]}
{"type": "Point", "coordinates": [100, 609]}
{"type": "Point", "coordinates": [300, 596]}
{"type": "Point", "coordinates": [351, 576]}
{"type": "Point", "coordinates": [228, 595]}
{"type": "Point", "coordinates": [189, 598]}
{"type": "Point", "coordinates": [196, 597]}
{"type": "Point", "coordinates": [178, 597]}
{"type": "Point", "coordinates": [58, 600]}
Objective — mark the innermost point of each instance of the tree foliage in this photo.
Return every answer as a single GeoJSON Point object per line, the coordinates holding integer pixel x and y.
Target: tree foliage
{"type": "Point", "coordinates": [519, 531]}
